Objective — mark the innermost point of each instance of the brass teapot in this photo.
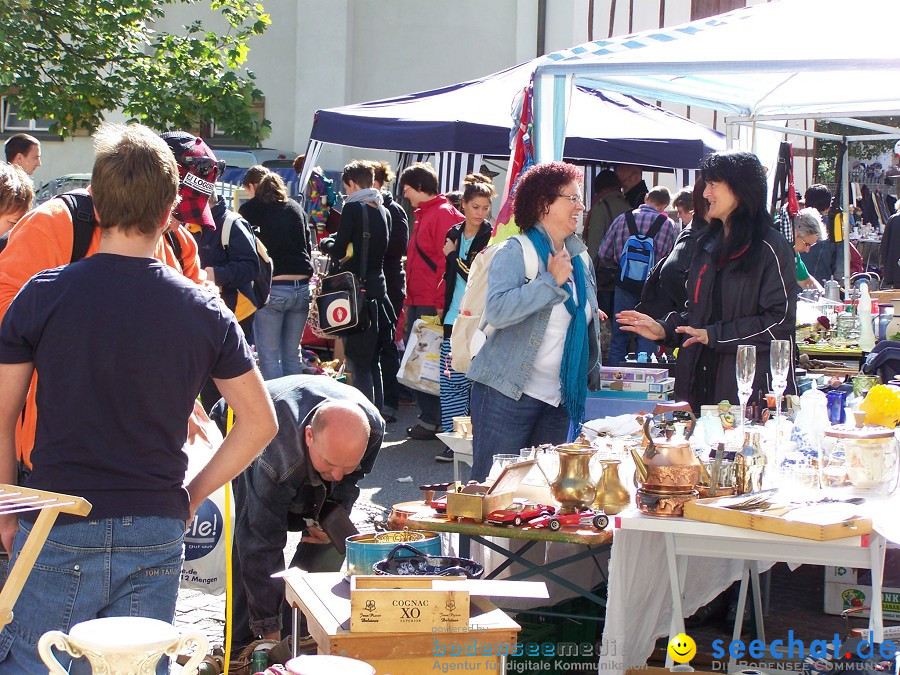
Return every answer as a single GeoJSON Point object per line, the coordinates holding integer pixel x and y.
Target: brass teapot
{"type": "Point", "coordinates": [668, 464]}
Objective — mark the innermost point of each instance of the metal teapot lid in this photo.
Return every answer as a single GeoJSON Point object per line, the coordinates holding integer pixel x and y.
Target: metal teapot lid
{"type": "Point", "coordinates": [662, 408]}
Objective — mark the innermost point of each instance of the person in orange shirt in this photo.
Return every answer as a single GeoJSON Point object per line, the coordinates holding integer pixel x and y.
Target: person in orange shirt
{"type": "Point", "coordinates": [43, 239]}
{"type": "Point", "coordinates": [16, 196]}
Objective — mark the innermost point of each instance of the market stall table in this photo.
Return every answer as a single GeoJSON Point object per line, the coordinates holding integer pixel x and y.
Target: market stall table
{"type": "Point", "coordinates": [593, 541]}
{"type": "Point", "coordinates": [720, 554]}
{"type": "Point", "coordinates": [324, 598]}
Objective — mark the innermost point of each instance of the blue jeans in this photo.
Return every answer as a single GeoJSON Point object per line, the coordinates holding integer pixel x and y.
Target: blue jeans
{"type": "Point", "coordinates": [502, 425]}
{"type": "Point", "coordinates": [278, 329]}
{"type": "Point", "coordinates": [618, 346]}
{"type": "Point", "coordinates": [126, 566]}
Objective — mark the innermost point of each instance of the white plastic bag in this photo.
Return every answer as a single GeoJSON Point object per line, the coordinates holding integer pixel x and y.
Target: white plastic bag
{"type": "Point", "coordinates": [205, 544]}
{"type": "Point", "coordinates": [421, 365]}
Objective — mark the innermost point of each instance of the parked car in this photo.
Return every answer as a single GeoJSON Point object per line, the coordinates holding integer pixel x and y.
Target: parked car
{"type": "Point", "coordinates": [56, 186]}
{"type": "Point", "coordinates": [244, 159]}
{"type": "Point", "coordinates": [518, 512]}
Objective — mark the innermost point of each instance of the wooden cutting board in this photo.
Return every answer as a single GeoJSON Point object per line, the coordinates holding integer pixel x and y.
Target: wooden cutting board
{"type": "Point", "coordinates": [820, 522]}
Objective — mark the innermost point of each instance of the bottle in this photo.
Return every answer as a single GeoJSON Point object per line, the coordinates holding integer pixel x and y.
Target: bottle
{"type": "Point", "coordinates": [866, 332]}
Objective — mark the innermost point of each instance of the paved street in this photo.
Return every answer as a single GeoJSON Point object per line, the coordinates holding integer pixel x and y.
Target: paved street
{"type": "Point", "coordinates": [399, 457]}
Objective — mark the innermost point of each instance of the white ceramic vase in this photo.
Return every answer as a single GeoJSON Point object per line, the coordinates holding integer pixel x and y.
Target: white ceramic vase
{"type": "Point", "coordinates": [122, 645]}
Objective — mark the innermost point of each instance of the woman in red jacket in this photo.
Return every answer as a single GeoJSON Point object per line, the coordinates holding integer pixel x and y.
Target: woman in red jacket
{"type": "Point", "coordinates": [425, 263]}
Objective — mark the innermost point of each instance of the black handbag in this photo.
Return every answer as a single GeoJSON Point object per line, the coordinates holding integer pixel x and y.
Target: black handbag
{"type": "Point", "coordinates": [339, 304]}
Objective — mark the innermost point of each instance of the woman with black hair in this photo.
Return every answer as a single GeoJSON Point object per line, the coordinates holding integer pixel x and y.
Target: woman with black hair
{"type": "Point", "coordinates": [742, 287]}
{"type": "Point", "coordinates": [666, 288]}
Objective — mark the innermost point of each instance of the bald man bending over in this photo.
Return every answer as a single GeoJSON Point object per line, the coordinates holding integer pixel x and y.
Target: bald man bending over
{"type": "Point", "coordinates": [329, 436]}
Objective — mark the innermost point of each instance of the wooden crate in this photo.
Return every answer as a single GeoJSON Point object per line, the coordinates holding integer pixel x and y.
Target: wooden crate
{"type": "Point", "coordinates": [499, 495]}
{"type": "Point", "coordinates": [822, 529]}
{"type": "Point", "coordinates": [479, 646]}
{"type": "Point", "coordinates": [389, 604]}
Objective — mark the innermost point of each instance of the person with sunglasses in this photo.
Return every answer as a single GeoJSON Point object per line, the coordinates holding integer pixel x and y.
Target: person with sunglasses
{"type": "Point", "coordinates": [231, 265]}
{"type": "Point", "coordinates": [530, 377]}
{"type": "Point", "coordinates": [650, 217]}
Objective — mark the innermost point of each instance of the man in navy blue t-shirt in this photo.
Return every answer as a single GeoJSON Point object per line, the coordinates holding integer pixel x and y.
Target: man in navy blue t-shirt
{"type": "Point", "coordinates": [122, 344]}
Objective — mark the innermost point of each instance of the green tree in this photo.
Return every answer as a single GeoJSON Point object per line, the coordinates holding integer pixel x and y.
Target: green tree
{"type": "Point", "coordinates": [71, 61]}
{"type": "Point", "coordinates": [827, 151]}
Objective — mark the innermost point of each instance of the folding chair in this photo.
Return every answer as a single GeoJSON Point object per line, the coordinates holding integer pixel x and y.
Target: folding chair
{"type": "Point", "coordinates": [14, 499]}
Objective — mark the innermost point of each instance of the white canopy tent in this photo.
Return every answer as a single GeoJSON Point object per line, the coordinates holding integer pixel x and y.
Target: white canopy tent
{"type": "Point", "coordinates": [763, 65]}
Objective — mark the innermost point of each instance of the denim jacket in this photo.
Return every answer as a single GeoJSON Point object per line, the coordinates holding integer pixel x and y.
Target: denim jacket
{"type": "Point", "coordinates": [520, 312]}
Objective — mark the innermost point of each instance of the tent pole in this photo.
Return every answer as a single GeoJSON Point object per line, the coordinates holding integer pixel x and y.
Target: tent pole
{"type": "Point", "coordinates": [729, 136]}
{"type": "Point", "coordinates": [845, 207]}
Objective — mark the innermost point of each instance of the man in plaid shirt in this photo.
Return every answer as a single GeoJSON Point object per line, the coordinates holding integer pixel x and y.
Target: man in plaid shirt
{"type": "Point", "coordinates": [655, 203]}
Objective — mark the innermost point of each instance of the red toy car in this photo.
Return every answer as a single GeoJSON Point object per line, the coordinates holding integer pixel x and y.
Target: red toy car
{"type": "Point", "coordinates": [517, 513]}
{"type": "Point", "coordinates": [587, 517]}
{"type": "Point", "coordinates": [439, 504]}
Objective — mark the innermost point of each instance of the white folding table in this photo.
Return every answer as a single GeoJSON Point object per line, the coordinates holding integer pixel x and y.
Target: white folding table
{"type": "Point", "coordinates": [685, 538]}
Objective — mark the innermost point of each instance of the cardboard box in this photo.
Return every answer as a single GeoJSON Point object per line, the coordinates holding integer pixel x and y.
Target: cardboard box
{"type": "Point", "coordinates": [634, 374]}
{"type": "Point", "coordinates": [839, 597]}
{"type": "Point", "coordinates": [498, 496]}
{"type": "Point", "coordinates": [390, 604]}
{"type": "Point", "coordinates": [630, 395]}
{"type": "Point", "coordinates": [852, 575]}
{"type": "Point", "coordinates": [664, 386]}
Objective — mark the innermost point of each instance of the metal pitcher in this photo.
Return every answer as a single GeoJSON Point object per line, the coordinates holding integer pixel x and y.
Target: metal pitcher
{"type": "Point", "coordinates": [833, 290]}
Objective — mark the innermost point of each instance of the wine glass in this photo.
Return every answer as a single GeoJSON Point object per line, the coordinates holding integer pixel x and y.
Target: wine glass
{"type": "Point", "coordinates": [745, 371]}
{"type": "Point", "coordinates": [779, 364]}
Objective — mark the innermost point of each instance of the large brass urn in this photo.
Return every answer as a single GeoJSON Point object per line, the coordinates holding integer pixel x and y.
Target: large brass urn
{"type": "Point", "coordinates": [572, 488]}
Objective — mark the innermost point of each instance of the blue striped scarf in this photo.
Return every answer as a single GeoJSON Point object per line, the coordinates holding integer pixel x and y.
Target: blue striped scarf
{"type": "Point", "coordinates": [573, 370]}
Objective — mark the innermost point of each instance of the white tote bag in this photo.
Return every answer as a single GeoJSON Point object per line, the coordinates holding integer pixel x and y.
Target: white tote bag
{"type": "Point", "coordinates": [205, 543]}
{"type": "Point", "coordinates": [420, 368]}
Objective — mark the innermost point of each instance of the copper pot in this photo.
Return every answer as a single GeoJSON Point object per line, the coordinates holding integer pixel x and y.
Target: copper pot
{"type": "Point", "coordinates": [663, 504]}
{"type": "Point", "coordinates": [399, 513]}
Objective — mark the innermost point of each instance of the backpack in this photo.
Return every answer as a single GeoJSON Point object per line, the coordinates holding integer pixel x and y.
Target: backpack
{"type": "Point", "coordinates": [637, 257]}
{"type": "Point", "coordinates": [470, 332]}
{"type": "Point", "coordinates": [81, 206]}
{"type": "Point", "coordinates": [262, 283]}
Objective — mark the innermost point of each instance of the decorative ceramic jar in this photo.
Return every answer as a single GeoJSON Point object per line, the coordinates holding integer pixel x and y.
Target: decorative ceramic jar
{"type": "Point", "coordinates": [122, 644]}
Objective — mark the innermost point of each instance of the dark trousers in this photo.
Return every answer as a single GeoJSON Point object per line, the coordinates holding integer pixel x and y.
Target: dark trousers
{"type": "Point", "coordinates": [308, 557]}
{"type": "Point", "coordinates": [390, 365]}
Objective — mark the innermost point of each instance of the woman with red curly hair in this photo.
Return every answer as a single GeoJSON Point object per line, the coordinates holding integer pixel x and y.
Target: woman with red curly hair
{"type": "Point", "coordinates": [530, 378]}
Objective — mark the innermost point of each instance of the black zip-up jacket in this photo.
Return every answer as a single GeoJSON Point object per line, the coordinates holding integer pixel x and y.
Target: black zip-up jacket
{"type": "Point", "coordinates": [758, 305]}
{"type": "Point", "coordinates": [394, 274]}
{"type": "Point", "coordinates": [454, 264]}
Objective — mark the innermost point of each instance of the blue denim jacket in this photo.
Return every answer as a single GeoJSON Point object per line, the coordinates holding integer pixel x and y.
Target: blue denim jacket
{"type": "Point", "coordinates": [520, 312]}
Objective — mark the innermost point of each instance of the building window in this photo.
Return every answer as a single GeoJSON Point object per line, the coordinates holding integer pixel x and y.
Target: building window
{"type": "Point", "coordinates": [11, 121]}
